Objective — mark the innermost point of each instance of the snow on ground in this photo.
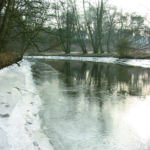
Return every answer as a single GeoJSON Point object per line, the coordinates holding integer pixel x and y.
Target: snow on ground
{"type": "Point", "coordinates": [19, 106]}
{"type": "Point", "coordinates": [130, 62]}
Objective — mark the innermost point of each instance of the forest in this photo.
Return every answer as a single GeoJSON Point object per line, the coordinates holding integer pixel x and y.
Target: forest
{"type": "Point", "coordinates": [69, 26]}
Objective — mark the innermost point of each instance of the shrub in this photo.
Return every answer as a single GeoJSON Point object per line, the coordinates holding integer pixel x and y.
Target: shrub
{"type": "Point", "coordinates": [123, 47]}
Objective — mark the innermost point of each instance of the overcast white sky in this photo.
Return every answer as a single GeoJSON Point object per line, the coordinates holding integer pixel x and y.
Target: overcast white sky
{"type": "Point", "coordinates": [140, 6]}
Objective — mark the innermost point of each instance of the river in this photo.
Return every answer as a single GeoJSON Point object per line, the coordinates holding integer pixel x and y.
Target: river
{"type": "Point", "coordinates": [93, 105]}
{"type": "Point", "coordinates": [79, 104]}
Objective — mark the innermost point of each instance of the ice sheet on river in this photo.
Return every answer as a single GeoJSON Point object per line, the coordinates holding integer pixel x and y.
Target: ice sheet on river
{"type": "Point", "coordinates": [19, 102]}
{"type": "Point", "coordinates": [130, 62]}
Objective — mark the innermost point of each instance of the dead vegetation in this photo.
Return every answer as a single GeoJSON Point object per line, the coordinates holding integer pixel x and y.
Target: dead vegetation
{"type": "Point", "coordinates": [9, 58]}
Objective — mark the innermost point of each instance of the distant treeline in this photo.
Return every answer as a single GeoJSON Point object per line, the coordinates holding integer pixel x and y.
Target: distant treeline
{"type": "Point", "coordinates": [65, 25]}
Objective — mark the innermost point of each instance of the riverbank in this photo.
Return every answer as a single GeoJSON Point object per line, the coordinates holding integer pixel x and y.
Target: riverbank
{"type": "Point", "coordinates": [7, 59]}
{"type": "Point", "coordinates": [145, 63]}
{"type": "Point", "coordinates": [132, 55]}
{"type": "Point", "coordinates": [20, 127]}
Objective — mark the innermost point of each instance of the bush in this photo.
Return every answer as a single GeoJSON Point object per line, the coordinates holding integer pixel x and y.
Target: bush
{"type": "Point", "coordinates": [123, 47]}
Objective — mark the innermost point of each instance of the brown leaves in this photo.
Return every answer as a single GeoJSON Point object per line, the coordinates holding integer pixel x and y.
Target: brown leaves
{"type": "Point", "coordinates": [8, 58]}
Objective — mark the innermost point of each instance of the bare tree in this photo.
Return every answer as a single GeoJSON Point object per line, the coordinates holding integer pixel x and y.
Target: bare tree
{"type": "Point", "coordinates": [95, 25]}
{"type": "Point", "coordinates": [21, 19]}
{"type": "Point", "coordinates": [80, 31]}
{"type": "Point", "coordinates": [110, 24]}
{"type": "Point", "coordinates": [64, 16]}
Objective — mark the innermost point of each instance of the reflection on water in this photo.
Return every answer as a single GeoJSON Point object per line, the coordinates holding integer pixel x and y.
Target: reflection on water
{"type": "Point", "coordinates": [94, 106]}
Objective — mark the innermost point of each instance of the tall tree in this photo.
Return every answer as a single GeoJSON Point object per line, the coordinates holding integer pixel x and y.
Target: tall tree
{"type": "Point", "coordinates": [80, 31]}
{"type": "Point", "coordinates": [21, 19]}
{"type": "Point", "coordinates": [94, 22]}
{"type": "Point", "coordinates": [64, 16]}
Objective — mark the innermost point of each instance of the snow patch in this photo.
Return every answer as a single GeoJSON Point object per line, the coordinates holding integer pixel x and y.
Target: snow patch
{"type": "Point", "coordinates": [145, 63]}
{"type": "Point", "coordinates": [22, 126]}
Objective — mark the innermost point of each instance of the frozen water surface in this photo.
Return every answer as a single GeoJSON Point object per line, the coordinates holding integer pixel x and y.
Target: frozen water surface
{"type": "Point", "coordinates": [94, 105]}
{"type": "Point", "coordinates": [91, 104]}
{"type": "Point", "coordinates": [129, 62]}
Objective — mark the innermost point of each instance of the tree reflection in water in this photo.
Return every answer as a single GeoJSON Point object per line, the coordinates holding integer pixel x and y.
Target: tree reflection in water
{"type": "Point", "coordinates": [105, 77]}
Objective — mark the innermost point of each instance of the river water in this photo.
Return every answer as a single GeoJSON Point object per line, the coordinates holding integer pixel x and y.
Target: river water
{"type": "Point", "coordinates": [92, 105]}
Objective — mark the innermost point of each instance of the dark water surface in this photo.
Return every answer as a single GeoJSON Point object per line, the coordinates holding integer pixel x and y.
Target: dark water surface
{"type": "Point", "coordinates": [93, 106]}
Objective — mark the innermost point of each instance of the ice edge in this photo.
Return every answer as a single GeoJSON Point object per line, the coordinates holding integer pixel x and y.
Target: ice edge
{"type": "Point", "coordinates": [145, 63]}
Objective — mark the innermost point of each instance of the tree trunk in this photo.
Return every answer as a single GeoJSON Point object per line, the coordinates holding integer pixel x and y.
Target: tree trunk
{"type": "Point", "coordinates": [101, 26]}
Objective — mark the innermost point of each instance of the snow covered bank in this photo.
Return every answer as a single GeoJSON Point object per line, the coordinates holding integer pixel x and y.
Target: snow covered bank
{"type": "Point", "coordinates": [19, 107]}
{"type": "Point", "coordinates": [130, 62]}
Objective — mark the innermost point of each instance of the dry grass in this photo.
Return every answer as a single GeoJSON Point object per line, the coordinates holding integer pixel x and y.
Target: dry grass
{"type": "Point", "coordinates": [9, 58]}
